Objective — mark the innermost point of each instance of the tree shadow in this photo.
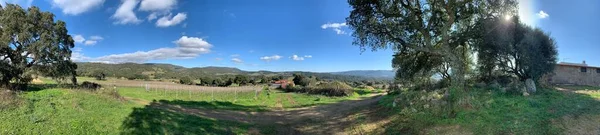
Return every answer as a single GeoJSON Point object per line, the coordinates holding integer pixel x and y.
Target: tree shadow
{"type": "Point", "coordinates": [38, 87]}
{"type": "Point", "coordinates": [225, 105]}
{"type": "Point", "coordinates": [156, 119]}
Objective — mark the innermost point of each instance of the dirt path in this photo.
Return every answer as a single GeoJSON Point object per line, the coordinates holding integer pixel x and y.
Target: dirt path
{"type": "Point", "coordinates": [324, 119]}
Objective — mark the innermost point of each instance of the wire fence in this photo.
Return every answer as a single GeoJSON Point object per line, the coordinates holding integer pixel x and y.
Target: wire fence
{"type": "Point", "coordinates": [169, 91]}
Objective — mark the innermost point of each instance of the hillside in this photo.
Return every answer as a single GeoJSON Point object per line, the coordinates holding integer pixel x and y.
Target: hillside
{"type": "Point", "coordinates": [369, 73]}
{"type": "Point", "coordinates": [168, 71]}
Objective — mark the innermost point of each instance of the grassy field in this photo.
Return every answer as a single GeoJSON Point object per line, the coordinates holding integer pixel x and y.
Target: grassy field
{"type": "Point", "coordinates": [247, 101]}
{"type": "Point", "coordinates": [547, 112]}
{"type": "Point", "coordinates": [47, 110]}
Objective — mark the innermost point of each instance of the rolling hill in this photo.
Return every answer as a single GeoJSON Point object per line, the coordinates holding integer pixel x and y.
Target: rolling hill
{"type": "Point", "coordinates": [169, 71]}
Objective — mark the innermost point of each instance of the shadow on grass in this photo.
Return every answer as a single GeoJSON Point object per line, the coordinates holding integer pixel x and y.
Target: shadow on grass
{"type": "Point", "coordinates": [547, 112]}
{"type": "Point", "coordinates": [214, 105]}
{"type": "Point", "coordinates": [155, 119]}
{"type": "Point", "coordinates": [38, 87]}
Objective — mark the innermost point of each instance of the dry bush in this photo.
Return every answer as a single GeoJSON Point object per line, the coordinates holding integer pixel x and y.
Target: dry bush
{"type": "Point", "coordinates": [9, 99]}
{"type": "Point", "coordinates": [367, 88]}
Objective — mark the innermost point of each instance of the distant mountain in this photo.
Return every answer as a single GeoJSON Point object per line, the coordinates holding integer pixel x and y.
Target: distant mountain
{"type": "Point", "coordinates": [368, 73]}
{"type": "Point", "coordinates": [169, 71]}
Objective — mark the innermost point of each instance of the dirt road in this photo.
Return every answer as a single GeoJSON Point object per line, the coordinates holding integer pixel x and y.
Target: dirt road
{"type": "Point", "coordinates": [325, 119]}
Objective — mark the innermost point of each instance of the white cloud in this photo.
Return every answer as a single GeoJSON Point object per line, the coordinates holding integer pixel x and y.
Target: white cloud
{"type": "Point", "coordinates": [192, 46]}
{"type": "Point", "coordinates": [235, 55]}
{"type": "Point", "coordinates": [337, 27]}
{"type": "Point", "coordinates": [542, 14]}
{"type": "Point", "coordinates": [22, 3]}
{"type": "Point", "coordinates": [125, 14]}
{"type": "Point", "coordinates": [307, 56]}
{"type": "Point", "coordinates": [90, 42]}
{"type": "Point", "coordinates": [167, 21]}
{"type": "Point", "coordinates": [75, 7]}
{"type": "Point", "coordinates": [297, 58]}
{"type": "Point", "coordinates": [157, 5]}
{"type": "Point", "coordinates": [187, 47]}
{"type": "Point", "coordinates": [78, 39]}
{"type": "Point", "coordinates": [96, 38]}
{"type": "Point", "coordinates": [237, 60]}
{"type": "Point", "coordinates": [78, 56]}
{"type": "Point", "coordinates": [270, 58]}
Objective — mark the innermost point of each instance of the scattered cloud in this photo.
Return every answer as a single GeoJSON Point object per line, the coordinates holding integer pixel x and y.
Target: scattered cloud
{"type": "Point", "coordinates": [187, 47]}
{"type": "Point", "coordinates": [542, 14]}
{"type": "Point", "coordinates": [78, 38]}
{"type": "Point", "coordinates": [75, 7]}
{"type": "Point", "coordinates": [96, 38]}
{"type": "Point", "coordinates": [337, 27]}
{"type": "Point", "coordinates": [184, 25]}
{"type": "Point", "coordinates": [157, 5]}
{"type": "Point", "coordinates": [297, 58]}
{"type": "Point", "coordinates": [234, 55]}
{"type": "Point", "coordinates": [90, 42]}
{"type": "Point", "coordinates": [218, 59]}
{"type": "Point", "coordinates": [300, 58]}
{"type": "Point", "coordinates": [270, 58]}
{"type": "Point", "coordinates": [22, 3]}
{"type": "Point", "coordinates": [167, 21]}
{"type": "Point", "coordinates": [77, 55]}
{"type": "Point", "coordinates": [237, 60]}
{"type": "Point", "coordinates": [125, 14]}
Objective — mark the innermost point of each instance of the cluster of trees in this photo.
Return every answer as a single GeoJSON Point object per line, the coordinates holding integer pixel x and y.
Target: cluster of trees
{"type": "Point", "coordinates": [33, 44]}
{"type": "Point", "coordinates": [228, 80]}
{"type": "Point", "coordinates": [441, 38]}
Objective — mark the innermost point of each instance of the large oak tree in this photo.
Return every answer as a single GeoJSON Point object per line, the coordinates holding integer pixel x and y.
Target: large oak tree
{"type": "Point", "coordinates": [428, 36]}
{"type": "Point", "coordinates": [33, 43]}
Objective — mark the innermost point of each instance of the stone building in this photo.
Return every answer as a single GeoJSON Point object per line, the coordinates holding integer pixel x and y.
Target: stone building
{"type": "Point", "coordinates": [576, 74]}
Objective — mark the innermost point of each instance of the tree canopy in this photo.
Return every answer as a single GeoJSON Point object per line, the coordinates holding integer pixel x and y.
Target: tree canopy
{"type": "Point", "coordinates": [428, 37]}
{"type": "Point", "coordinates": [33, 43]}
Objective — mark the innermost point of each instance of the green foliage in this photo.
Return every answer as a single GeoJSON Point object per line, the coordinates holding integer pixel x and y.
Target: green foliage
{"type": "Point", "coordinates": [33, 43]}
{"type": "Point", "coordinates": [186, 80]}
{"type": "Point", "coordinates": [335, 88]}
{"type": "Point", "coordinates": [513, 48]}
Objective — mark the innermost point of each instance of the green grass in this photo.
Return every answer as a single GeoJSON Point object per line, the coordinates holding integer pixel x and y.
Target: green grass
{"type": "Point", "coordinates": [246, 101]}
{"type": "Point", "coordinates": [495, 113]}
{"type": "Point", "coordinates": [60, 111]}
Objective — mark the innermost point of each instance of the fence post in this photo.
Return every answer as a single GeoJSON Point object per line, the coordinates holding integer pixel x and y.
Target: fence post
{"type": "Point", "coordinates": [213, 94]}
{"type": "Point", "coordinates": [190, 92]}
{"type": "Point", "coordinates": [255, 94]}
{"type": "Point", "coordinates": [235, 99]}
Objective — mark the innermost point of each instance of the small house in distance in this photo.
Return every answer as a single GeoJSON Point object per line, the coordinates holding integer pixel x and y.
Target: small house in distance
{"type": "Point", "coordinates": [576, 74]}
{"type": "Point", "coordinates": [280, 84]}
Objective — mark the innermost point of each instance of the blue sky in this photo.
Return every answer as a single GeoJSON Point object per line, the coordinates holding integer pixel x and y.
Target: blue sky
{"type": "Point", "coordinates": [266, 34]}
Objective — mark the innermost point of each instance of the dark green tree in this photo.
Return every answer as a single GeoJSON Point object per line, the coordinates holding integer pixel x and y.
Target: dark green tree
{"type": "Point", "coordinates": [513, 48]}
{"type": "Point", "coordinates": [428, 37]}
{"type": "Point", "coordinates": [186, 80]}
{"type": "Point", "coordinates": [33, 43]}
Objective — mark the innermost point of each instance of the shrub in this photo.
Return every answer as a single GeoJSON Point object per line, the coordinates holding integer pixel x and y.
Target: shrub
{"type": "Point", "coordinates": [90, 85]}
{"type": "Point", "coordinates": [335, 88]}
{"type": "Point", "coordinates": [186, 80]}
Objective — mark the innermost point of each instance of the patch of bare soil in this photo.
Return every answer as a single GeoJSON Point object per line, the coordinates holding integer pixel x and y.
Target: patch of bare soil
{"type": "Point", "coordinates": [582, 125]}
{"type": "Point", "coordinates": [326, 119]}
